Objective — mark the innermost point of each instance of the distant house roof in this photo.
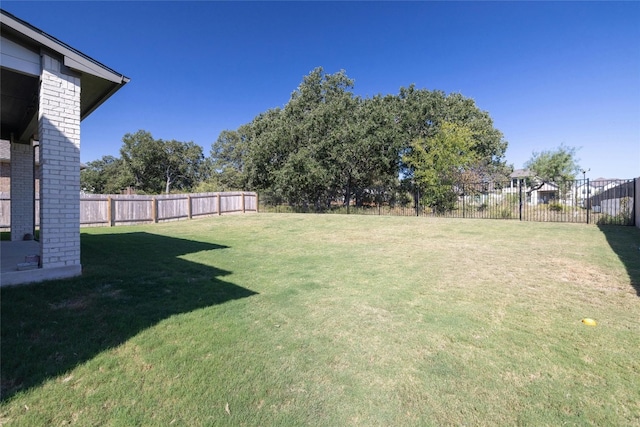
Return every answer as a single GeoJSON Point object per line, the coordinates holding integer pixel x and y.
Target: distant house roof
{"type": "Point", "coordinates": [521, 173]}
{"type": "Point", "coordinates": [602, 181]}
{"type": "Point", "coordinates": [547, 186]}
{"type": "Point", "coordinates": [22, 44]}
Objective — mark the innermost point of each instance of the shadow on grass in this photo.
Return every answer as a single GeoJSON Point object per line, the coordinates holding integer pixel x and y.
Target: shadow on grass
{"type": "Point", "coordinates": [625, 242]}
{"type": "Point", "coordinates": [130, 282]}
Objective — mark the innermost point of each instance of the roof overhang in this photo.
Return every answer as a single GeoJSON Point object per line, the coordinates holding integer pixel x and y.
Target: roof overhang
{"type": "Point", "coordinates": [22, 47]}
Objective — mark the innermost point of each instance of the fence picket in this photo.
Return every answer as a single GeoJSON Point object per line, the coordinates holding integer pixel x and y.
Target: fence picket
{"type": "Point", "coordinates": [110, 210]}
{"type": "Point", "coordinates": [597, 201]}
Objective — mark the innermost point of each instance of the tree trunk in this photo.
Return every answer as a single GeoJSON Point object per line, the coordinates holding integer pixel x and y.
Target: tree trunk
{"type": "Point", "coordinates": [347, 193]}
{"type": "Point", "coordinates": [359, 197]}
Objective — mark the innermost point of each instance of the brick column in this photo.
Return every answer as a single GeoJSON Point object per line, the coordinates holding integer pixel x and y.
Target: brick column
{"type": "Point", "coordinates": [59, 130]}
{"type": "Point", "coordinates": [22, 191]}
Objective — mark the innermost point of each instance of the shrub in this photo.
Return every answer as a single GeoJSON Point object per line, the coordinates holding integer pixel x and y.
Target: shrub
{"type": "Point", "coordinates": [506, 213]}
{"type": "Point", "coordinates": [556, 207]}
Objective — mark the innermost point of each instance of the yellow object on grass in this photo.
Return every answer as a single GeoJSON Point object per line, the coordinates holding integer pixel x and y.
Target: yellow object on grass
{"type": "Point", "coordinates": [589, 322]}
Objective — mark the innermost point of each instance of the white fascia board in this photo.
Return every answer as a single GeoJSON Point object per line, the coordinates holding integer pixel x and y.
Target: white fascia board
{"type": "Point", "coordinates": [85, 67]}
{"type": "Point", "coordinates": [88, 65]}
{"type": "Point", "coordinates": [16, 57]}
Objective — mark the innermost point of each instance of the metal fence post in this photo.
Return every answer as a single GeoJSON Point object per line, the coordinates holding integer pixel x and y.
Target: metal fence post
{"type": "Point", "coordinates": [633, 207]}
{"type": "Point", "coordinates": [520, 200]}
{"type": "Point", "coordinates": [588, 201]}
{"type": "Point", "coordinates": [463, 203]}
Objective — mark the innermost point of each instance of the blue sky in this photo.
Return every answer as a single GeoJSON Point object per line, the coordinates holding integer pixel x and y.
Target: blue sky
{"type": "Point", "coordinates": [548, 73]}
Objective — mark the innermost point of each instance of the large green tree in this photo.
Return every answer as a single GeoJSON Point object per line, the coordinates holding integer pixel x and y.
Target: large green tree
{"type": "Point", "coordinates": [328, 145]}
{"type": "Point", "coordinates": [181, 165]}
{"type": "Point", "coordinates": [556, 165]}
{"type": "Point", "coordinates": [292, 151]}
{"type": "Point", "coordinates": [158, 165]}
{"type": "Point", "coordinates": [227, 159]}
{"type": "Point", "coordinates": [440, 161]}
{"type": "Point", "coordinates": [369, 163]}
{"type": "Point", "coordinates": [421, 114]}
{"type": "Point", "coordinates": [265, 153]}
{"type": "Point", "coordinates": [325, 145]}
{"type": "Point", "coordinates": [107, 175]}
{"type": "Point", "coordinates": [319, 120]}
{"type": "Point", "coordinates": [141, 154]}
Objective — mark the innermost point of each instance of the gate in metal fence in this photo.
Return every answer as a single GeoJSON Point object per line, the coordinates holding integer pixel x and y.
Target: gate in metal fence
{"type": "Point", "coordinates": [602, 202]}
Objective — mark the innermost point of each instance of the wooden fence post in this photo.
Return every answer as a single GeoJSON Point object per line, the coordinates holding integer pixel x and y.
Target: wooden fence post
{"type": "Point", "coordinates": [110, 211]}
{"type": "Point", "coordinates": [117, 216]}
{"type": "Point", "coordinates": [154, 209]}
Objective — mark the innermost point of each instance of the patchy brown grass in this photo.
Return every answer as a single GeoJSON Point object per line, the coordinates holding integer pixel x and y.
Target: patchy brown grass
{"type": "Point", "coordinates": [336, 320]}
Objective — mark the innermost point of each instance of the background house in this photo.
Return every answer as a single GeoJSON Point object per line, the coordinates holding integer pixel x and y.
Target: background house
{"type": "Point", "coordinates": [536, 191]}
{"type": "Point", "coordinates": [519, 177]}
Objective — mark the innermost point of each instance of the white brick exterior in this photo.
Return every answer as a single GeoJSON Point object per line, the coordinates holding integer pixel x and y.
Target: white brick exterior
{"type": "Point", "coordinates": [35, 63]}
{"type": "Point", "coordinates": [22, 191]}
{"type": "Point", "coordinates": [59, 130]}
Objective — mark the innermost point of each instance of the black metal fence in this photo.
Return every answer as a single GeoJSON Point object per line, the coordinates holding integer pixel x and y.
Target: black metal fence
{"type": "Point", "coordinates": [587, 201]}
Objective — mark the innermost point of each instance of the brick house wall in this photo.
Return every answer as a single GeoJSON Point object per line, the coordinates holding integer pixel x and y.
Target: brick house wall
{"type": "Point", "coordinates": [22, 191]}
{"type": "Point", "coordinates": [5, 167]}
{"type": "Point", "coordinates": [43, 78]}
{"type": "Point", "coordinates": [59, 155]}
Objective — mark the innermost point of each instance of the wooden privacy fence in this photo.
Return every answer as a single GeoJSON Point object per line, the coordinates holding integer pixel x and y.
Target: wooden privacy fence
{"type": "Point", "coordinates": [134, 209]}
{"type": "Point", "coordinates": [112, 210]}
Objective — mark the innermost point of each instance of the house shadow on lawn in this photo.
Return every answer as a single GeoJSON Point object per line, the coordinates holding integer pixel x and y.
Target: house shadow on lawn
{"type": "Point", "coordinates": [130, 282]}
{"type": "Point", "coordinates": [625, 242]}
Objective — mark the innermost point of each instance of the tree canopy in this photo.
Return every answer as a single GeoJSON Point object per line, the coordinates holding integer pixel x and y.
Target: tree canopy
{"type": "Point", "coordinates": [560, 164]}
{"type": "Point", "coordinates": [159, 165]}
{"type": "Point", "coordinates": [440, 161]}
{"type": "Point", "coordinates": [325, 146]}
{"type": "Point", "coordinates": [328, 145]}
{"type": "Point", "coordinates": [148, 165]}
{"type": "Point", "coordinates": [107, 175]}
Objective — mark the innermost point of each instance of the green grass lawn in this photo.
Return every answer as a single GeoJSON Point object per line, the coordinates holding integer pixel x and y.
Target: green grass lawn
{"type": "Point", "coordinates": [331, 320]}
